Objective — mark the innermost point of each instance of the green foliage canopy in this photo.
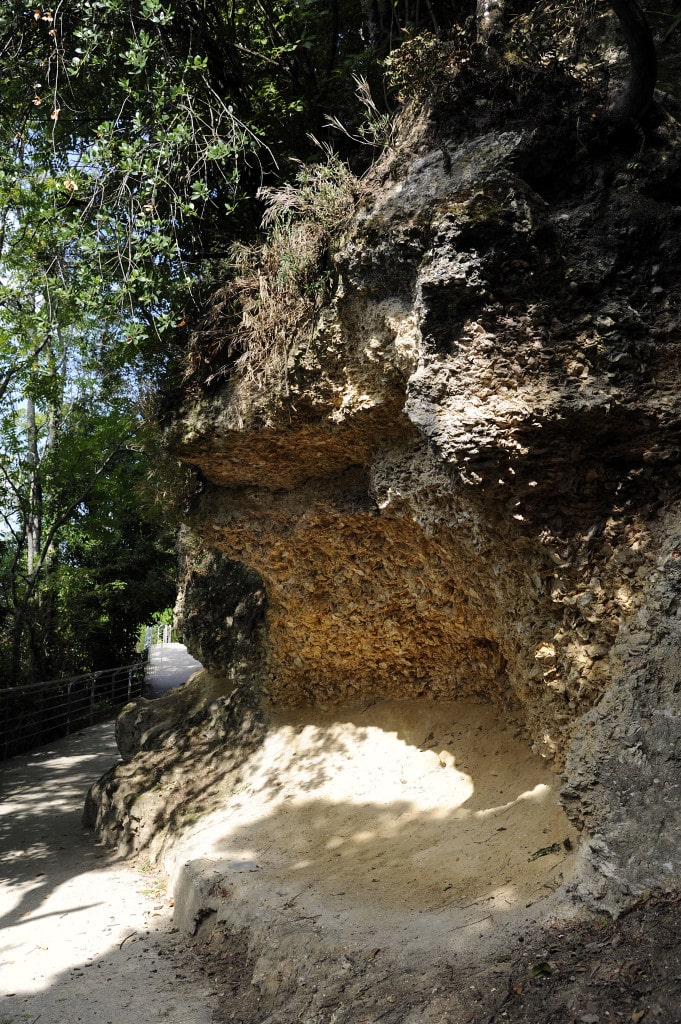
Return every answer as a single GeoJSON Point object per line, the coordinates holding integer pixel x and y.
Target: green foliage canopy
{"type": "Point", "coordinates": [140, 130]}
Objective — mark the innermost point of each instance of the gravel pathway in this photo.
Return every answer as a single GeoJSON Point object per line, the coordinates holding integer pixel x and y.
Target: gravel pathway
{"type": "Point", "coordinates": [83, 937]}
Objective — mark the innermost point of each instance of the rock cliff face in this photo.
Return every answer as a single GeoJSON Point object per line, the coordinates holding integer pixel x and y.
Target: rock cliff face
{"type": "Point", "coordinates": [466, 482]}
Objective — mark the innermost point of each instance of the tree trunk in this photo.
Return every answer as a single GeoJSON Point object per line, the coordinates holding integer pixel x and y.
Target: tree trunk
{"type": "Point", "coordinates": [633, 100]}
{"type": "Point", "coordinates": [34, 510]}
{"type": "Point", "coordinates": [488, 16]}
{"type": "Point", "coordinates": [34, 529]}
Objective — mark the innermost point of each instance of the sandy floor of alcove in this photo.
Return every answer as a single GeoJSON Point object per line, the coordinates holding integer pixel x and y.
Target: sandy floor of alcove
{"type": "Point", "coordinates": [405, 825]}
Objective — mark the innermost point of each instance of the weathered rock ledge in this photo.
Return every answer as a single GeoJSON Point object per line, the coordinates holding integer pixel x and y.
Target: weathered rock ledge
{"type": "Point", "coordinates": [468, 483]}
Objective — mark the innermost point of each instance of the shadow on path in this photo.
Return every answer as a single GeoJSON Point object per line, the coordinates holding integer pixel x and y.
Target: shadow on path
{"type": "Point", "coordinates": [79, 931]}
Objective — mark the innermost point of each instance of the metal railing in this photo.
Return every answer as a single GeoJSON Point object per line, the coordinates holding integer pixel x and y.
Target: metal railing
{"type": "Point", "coordinates": [40, 712]}
{"type": "Point", "coordinates": [159, 635]}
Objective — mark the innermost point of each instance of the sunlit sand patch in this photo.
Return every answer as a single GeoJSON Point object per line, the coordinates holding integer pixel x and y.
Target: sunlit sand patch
{"type": "Point", "coordinates": [417, 807]}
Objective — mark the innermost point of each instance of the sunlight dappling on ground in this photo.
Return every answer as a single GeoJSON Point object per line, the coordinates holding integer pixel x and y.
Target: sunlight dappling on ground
{"type": "Point", "coordinates": [76, 924]}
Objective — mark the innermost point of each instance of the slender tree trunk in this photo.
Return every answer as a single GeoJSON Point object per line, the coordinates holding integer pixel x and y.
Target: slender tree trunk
{"type": "Point", "coordinates": [378, 18]}
{"type": "Point", "coordinates": [34, 524]}
{"type": "Point", "coordinates": [34, 511]}
{"type": "Point", "coordinates": [632, 102]}
{"type": "Point", "coordinates": [488, 16]}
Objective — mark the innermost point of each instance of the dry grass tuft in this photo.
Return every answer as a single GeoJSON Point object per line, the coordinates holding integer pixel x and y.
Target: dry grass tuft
{"type": "Point", "coordinates": [275, 289]}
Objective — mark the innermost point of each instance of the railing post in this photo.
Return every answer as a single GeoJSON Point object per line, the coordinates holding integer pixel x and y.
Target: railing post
{"type": "Point", "coordinates": [5, 736]}
{"type": "Point", "coordinates": [93, 678]}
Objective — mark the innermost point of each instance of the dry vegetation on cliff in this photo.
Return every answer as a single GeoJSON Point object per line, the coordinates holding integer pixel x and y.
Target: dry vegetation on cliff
{"type": "Point", "coordinates": [275, 290]}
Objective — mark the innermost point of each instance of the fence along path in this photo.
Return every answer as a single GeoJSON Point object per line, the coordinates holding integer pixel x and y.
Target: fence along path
{"type": "Point", "coordinates": [41, 712]}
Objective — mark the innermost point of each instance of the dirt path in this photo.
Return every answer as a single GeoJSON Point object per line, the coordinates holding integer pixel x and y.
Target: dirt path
{"type": "Point", "coordinates": [169, 666]}
{"type": "Point", "coordinates": [83, 938]}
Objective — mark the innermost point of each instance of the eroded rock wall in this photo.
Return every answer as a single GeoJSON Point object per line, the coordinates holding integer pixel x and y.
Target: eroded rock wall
{"type": "Point", "coordinates": [465, 484]}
